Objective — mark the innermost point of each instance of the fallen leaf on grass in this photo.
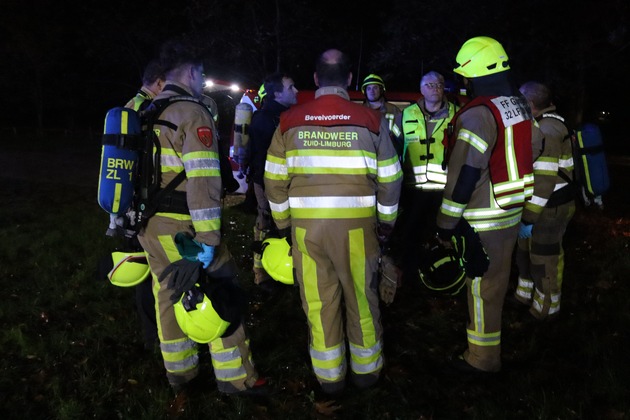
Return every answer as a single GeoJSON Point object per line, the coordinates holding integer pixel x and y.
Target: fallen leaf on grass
{"type": "Point", "coordinates": [327, 408]}
{"type": "Point", "coordinates": [603, 284]}
{"type": "Point", "coordinates": [177, 408]}
{"type": "Point", "coordinates": [295, 385]}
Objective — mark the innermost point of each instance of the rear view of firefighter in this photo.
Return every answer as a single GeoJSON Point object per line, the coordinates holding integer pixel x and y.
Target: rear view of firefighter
{"type": "Point", "coordinates": [188, 142]}
{"type": "Point", "coordinates": [423, 126]}
{"type": "Point", "coordinates": [333, 181]}
{"type": "Point", "coordinates": [490, 176]}
{"type": "Point", "coordinates": [539, 255]}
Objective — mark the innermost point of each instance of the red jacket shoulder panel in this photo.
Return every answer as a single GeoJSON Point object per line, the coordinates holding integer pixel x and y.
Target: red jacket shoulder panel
{"type": "Point", "coordinates": [330, 111]}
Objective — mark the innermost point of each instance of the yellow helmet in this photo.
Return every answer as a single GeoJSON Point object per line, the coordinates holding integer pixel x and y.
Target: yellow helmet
{"type": "Point", "coordinates": [130, 269]}
{"type": "Point", "coordinates": [372, 79]}
{"type": "Point", "coordinates": [197, 317]}
{"type": "Point", "coordinates": [481, 56]}
{"type": "Point", "coordinates": [277, 260]}
{"type": "Point", "coordinates": [441, 269]}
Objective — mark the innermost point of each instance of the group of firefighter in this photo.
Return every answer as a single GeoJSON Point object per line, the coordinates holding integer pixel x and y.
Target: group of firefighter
{"type": "Point", "coordinates": [471, 182]}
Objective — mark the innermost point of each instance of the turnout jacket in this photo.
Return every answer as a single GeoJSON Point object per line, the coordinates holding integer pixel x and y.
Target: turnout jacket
{"type": "Point", "coordinates": [490, 171]}
{"type": "Point", "coordinates": [553, 168]}
{"type": "Point", "coordinates": [391, 113]}
{"type": "Point", "coordinates": [188, 141]}
{"type": "Point", "coordinates": [332, 159]}
{"type": "Point", "coordinates": [141, 100]}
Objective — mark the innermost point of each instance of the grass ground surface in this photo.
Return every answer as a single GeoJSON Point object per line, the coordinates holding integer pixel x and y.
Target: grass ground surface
{"type": "Point", "coordinates": [72, 347]}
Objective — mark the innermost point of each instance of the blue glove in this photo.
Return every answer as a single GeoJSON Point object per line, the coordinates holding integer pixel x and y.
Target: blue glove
{"type": "Point", "coordinates": [206, 255]}
{"type": "Point", "coordinates": [525, 231]}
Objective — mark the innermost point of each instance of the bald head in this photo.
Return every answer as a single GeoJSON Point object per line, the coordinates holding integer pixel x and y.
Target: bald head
{"type": "Point", "coordinates": [333, 69]}
{"type": "Point", "coordinates": [537, 94]}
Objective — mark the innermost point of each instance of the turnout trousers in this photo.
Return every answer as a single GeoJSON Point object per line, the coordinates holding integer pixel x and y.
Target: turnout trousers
{"type": "Point", "coordinates": [231, 357]}
{"type": "Point", "coordinates": [485, 300]}
{"type": "Point", "coordinates": [336, 264]}
{"type": "Point", "coordinates": [263, 228]}
{"type": "Point", "coordinates": [540, 262]}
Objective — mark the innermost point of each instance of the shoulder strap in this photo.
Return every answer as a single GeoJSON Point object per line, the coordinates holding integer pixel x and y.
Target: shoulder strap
{"type": "Point", "coordinates": [559, 118]}
{"type": "Point", "coordinates": [150, 179]}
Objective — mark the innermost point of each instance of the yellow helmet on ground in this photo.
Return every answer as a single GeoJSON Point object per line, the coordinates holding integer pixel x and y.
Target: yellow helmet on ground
{"type": "Point", "coordinates": [130, 269]}
{"type": "Point", "coordinates": [197, 317]}
{"type": "Point", "coordinates": [277, 260]}
{"type": "Point", "coordinates": [481, 56]}
{"type": "Point", "coordinates": [372, 79]}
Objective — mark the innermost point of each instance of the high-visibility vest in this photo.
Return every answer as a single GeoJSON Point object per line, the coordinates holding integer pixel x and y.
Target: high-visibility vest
{"type": "Point", "coordinates": [423, 153]}
{"type": "Point", "coordinates": [511, 163]}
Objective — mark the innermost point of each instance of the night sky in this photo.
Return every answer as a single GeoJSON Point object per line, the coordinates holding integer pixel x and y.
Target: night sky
{"type": "Point", "coordinates": [64, 66]}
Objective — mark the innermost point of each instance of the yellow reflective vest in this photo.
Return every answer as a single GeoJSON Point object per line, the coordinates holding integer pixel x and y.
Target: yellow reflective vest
{"type": "Point", "coordinates": [423, 152]}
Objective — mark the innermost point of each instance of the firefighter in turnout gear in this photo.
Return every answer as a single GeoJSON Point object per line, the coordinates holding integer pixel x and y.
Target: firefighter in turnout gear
{"type": "Point", "coordinates": [152, 85]}
{"type": "Point", "coordinates": [423, 126]}
{"type": "Point", "coordinates": [490, 176]}
{"type": "Point", "coordinates": [373, 88]}
{"type": "Point", "coordinates": [187, 140]}
{"type": "Point", "coordinates": [333, 181]}
{"type": "Point", "coordinates": [539, 255]}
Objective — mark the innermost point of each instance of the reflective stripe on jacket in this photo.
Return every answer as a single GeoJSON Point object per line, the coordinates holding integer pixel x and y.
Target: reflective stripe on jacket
{"type": "Point", "coordinates": [553, 168]}
{"type": "Point", "coordinates": [332, 158]}
{"type": "Point", "coordinates": [498, 145]}
{"type": "Point", "coordinates": [189, 142]}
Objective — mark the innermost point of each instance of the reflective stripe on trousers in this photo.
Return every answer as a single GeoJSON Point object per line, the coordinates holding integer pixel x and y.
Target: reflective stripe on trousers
{"type": "Point", "coordinates": [227, 362]}
{"type": "Point", "coordinates": [179, 353]}
{"type": "Point", "coordinates": [335, 264]}
{"type": "Point", "coordinates": [485, 300]}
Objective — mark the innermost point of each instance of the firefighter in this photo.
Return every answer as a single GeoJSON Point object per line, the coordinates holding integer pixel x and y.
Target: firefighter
{"type": "Point", "coordinates": [282, 94]}
{"type": "Point", "coordinates": [152, 85]}
{"type": "Point", "coordinates": [490, 176]}
{"type": "Point", "coordinates": [539, 255]}
{"type": "Point", "coordinates": [333, 181]}
{"type": "Point", "coordinates": [188, 141]}
{"type": "Point", "coordinates": [373, 88]}
{"type": "Point", "coordinates": [423, 125]}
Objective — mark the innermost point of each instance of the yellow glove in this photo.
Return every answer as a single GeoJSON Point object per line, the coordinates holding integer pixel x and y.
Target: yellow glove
{"type": "Point", "coordinates": [390, 276]}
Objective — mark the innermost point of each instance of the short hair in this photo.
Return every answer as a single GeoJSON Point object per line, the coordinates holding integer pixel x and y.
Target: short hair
{"type": "Point", "coordinates": [332, 68]}
{"type": "Point", "coordinates": [537, 93]}
{"type": "Point", "coordinates": [178, 52]}
{"type": "Point", "coordinates": [433, 74]}
{"type": "Point", "coordinates": [152, 72]}
{"type": "Point", "coordinates": [273, 83]}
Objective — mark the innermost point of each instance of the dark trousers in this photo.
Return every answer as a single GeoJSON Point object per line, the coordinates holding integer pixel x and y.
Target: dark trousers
{"type": "Point", "coordinates": [145, 305]}
{"type": "Point", "coordinates": [416, 226]}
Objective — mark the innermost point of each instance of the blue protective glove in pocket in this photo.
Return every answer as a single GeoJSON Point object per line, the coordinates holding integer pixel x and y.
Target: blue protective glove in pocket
{"type": "Point", "coordinates": [206, 255]}
{"type": "Point", "coordinates": [525, 231]}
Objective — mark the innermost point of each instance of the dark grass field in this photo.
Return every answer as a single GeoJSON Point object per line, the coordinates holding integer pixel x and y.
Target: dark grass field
{"type": "Point", "coordinates": [72, 347]}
